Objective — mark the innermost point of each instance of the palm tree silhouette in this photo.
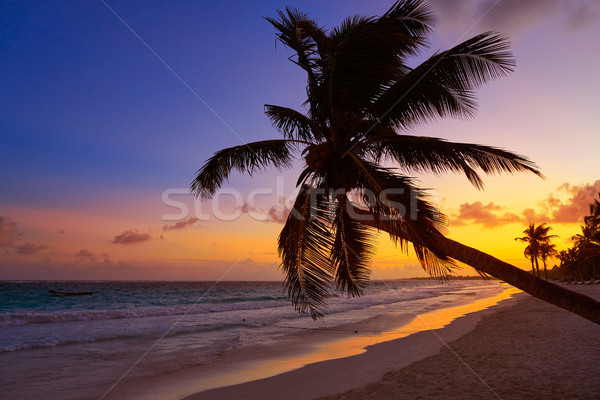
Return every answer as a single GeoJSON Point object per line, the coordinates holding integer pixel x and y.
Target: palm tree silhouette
{"type": "Point", "coordinates": [547, 250]}
{"type": "Point", "coordinates": [587, 245]}
{"type": "Point", "coordinates": [530, 254]}
{"type": "Point", "coordinates": [361, 98]}
{"type": "Point", "coordinates": [570, 259]}
{"type": "Point", "coordinates": [593, 219]}
{"type": "Point", "coordinates": [536, 237]}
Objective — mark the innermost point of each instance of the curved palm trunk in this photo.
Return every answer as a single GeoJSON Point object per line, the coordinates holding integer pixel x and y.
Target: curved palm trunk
{"type": "Point", "coordinates": [554, 294]}
{"type": "Point", "coordinates": [572, 301]}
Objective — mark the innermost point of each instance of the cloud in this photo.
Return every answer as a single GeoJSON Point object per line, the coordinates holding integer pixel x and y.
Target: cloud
{"type": "Point", "coordinates": [86, 255]}
{"type": "Point", "coordinates": [550, 210]}
{"type": "Point", "coordinates": [181, 224]}
{"type": "Point", "coordinates": [583, 13]}
{"type": "Point", "coordinates": [571, 210]}
{"type": "Point", "coordinates": [131, 237]}
{"type": "Point", "coordinates": [277, 213]}
{"type": "Point", "coordinates": [484, 214]}
{"type": "Point", "coordinates": [514, 16]}
{"type": "Point", "coordinates": [106, 257]}
{"type": "Point", "coordinates": [8, 231]}
{"type": "Point", "coordinates": [29, 248]}
{"type": "Point", "coordinates": [246, 208]}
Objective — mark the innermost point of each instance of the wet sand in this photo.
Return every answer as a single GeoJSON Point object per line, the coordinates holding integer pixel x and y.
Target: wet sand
{"type": "Point", "coordinates": [338, 375]}
{"type": "Point", "coordinates": [531, 350]}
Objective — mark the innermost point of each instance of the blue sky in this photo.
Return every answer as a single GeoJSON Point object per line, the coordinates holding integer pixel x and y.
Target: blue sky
{"type": "Point", "coordinates": [91, 121]}
{"type": "Point", "coordinates": [86, 105]}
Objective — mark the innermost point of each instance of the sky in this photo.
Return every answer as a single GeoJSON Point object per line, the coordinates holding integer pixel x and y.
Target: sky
{"type": "Point", "coordinates": [108, 108]}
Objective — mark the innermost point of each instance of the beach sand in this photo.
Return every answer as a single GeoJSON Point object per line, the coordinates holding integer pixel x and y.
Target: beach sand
{"type": "Point", "coordinates": [531, 350]}
{"type": "Point", "coordinates": [521, 348]}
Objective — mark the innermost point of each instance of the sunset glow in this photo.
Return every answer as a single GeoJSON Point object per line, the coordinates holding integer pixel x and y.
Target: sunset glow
{"type": "Point", "coordinates": [96, 129]}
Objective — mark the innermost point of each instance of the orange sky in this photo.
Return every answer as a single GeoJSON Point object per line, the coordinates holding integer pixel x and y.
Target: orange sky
{"type": "Point", "coordinates": [67, 244]}
{"type": "Point", "coordinates": [85, 175]}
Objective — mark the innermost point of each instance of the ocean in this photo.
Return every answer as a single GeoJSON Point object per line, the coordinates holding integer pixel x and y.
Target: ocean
{"type": "Point", "coordinates": [55, 346]}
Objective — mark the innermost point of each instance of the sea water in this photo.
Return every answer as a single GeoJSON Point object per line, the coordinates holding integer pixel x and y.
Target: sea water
{"type": "Point", "coordinates": [54, 344]}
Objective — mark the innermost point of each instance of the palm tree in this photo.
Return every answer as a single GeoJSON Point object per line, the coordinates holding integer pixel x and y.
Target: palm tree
{"type": "Point", "coordinates": [535, 237]}
{"type": "Point", "coordinates": [361, 98]}
{"type": "Point", "coordinates": [529, 254]}
{"type": "Point", "coordinates": [569, 259]}
{"type": "Point", "coordinates": [547, 250]}
{"type": "Point", "coordinates": [586, 245]}
{"type": "Point", "coordinates": [594, 218]}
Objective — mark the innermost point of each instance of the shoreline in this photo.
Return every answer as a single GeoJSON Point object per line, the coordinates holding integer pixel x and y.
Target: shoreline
{"type": "Point", "coordinates": [350, 370]}
{"type": "Point", "coordinates": [530, 350]}
{"type": "Point", "coordinates": [255, 343]}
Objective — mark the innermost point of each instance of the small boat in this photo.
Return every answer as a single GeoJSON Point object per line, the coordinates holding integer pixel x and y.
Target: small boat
{"type": "Point", "coordinates": [57, 293]}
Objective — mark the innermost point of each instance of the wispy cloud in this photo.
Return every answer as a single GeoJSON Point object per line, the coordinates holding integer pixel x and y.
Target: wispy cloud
{"type": "Point", "coordinates": [571, 210]}
{"type": "Point", "coordinates": [131, 237]}
{"type": "Point", "coordinates": [106, 257]}
{"type": "Point", "coordinates": [484, 214]}
{"type": "Point", "coordinates": [515, 16]}
{"type": "Point", "coordinates": [277, 213]}
{"type": "Point", "coordinates": [8, 231]}
{"type": "Point", "coordinates": [181, 225]}
{"type": "Point", "coordinates": [86, 255]}
{"type": "Point", "coordinates": [30, 249]}
{"type": "Point", "coordinates": [550, 210]}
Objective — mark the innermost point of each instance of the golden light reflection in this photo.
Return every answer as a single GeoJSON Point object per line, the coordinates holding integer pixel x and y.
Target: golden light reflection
{"type": "Point", "coordinates": [350, 346]}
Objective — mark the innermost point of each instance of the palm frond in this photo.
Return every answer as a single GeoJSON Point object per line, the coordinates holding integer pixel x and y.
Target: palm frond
{"type": "Point", "coordinates": [396, 206]}
{"type": "Point", "coordinates": [303, 247]}
{"type": "Point", "coordinates": [304, 176]}
{"type": "Point", "coordinates": [537, 238]}
{"type": "Point", "coordinates": [415, 16]}
{"type": "Point", "coordinates": [293, 124]}
{"type": "Point", "coordinates": [352, 250]}
{"type": "Point", "coordinates": [311, 45]}
{"type": "Point", "coordinates": [433, 260]}
{"type": "Point", "coordinates": [438, 156]}
{"type": "Point", "coordinates": [292, 26]}
{"type": "Point", "coordinates": [594, 218]}
{"type": "Point", "coordinates": [416, 99]}
{"type": "Point", "coordinates": [368, 53]}
{"type": "Point", "coordinates": [444, 84]}
{"type": "Point", "coordinates": [548, 250]}
{"type": "Point", "coordinates": [249, 158]}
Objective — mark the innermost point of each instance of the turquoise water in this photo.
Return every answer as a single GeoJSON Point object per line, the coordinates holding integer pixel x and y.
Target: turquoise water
{"type": "Point", "coordinates": [55, 346]}
{"type": "Point", "coordinates": [35, 296]}
{"type": "Point", "coordinates": [31, 317]}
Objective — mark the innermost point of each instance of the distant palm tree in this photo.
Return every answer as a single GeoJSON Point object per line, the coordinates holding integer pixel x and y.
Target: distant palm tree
{"type": "Point", "coordinates": [529, 254]}
{"type": "Point", "coordinates": [535, 237]}
{"type": "Point", "coordinates": [593, 219]}
{"type": "Point", "coordinates": [361, 96]}
{"type": "Point", "coordinates": [587, 246]}
{"type": "Point", "coordinates": [547, 250]}
{"type": "Point", "coordinates": [569, 259]}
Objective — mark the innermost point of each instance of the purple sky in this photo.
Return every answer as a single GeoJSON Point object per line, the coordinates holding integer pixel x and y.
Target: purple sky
{"type": "Point", "coordinates": [92, 121]}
